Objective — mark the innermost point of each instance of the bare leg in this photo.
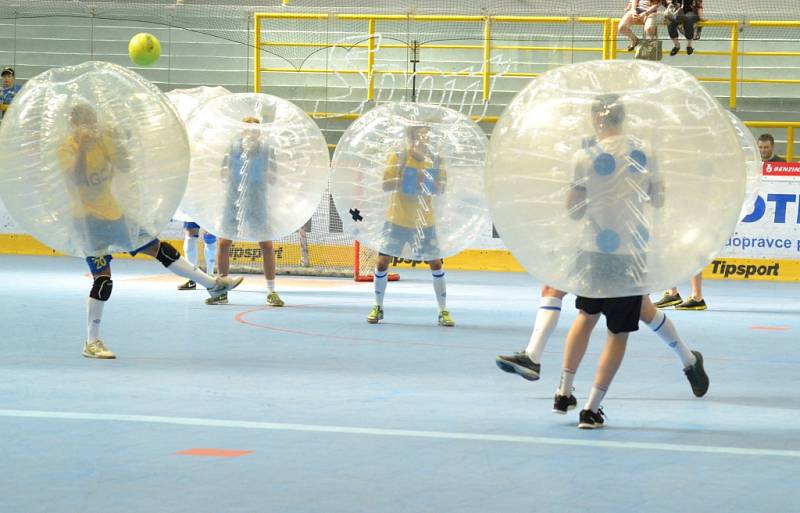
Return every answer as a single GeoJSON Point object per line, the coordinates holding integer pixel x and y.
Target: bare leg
{"type": "Point", "coordinates": [697, 286]}
{"type": "Point", "coordinates": [610, 359]}
{"type": "Point", "coordinates": [578, 340]}
{"type": "Point", "coordinates": [223, 255]}
{"type": "Point", "coordinates": [267, 259]}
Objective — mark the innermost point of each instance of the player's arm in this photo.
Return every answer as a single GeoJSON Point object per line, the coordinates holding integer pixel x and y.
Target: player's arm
{"type": "Point", "coordinates": [271, 167]}
{"type": "Point", "coordinates": [657, 190]}
{"type": "Point", "coordinates": [441, 178]}
{"type": "Point", "coordinates": [576, 196]}
{"type": "Point", "coordinates": [391, 175]}
{"type": "Point", "coordinates": [117, 151]}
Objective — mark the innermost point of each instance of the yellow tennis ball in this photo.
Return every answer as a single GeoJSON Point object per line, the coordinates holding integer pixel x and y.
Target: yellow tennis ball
{"type": "Point", "coordinates": [144, 49]}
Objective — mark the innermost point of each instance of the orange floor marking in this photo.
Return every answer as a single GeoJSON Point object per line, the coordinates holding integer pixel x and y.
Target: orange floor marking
{"type": "Point", "coordinates": [216, 453]}
{"type": "Point", "coordinates": [770, 328]}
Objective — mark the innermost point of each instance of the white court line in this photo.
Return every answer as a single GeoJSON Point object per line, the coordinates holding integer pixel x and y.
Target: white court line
{"type": "Point", "coordinates": [442, 435]}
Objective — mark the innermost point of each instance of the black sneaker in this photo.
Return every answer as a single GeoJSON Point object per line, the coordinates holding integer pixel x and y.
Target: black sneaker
{"type": "Point", "coordinates": [519, 363]}
{"type": "Point", "coordinates": [692, 304]}
{"type": "Point", "coordinates": [668, 300]}
{"type": "Point", "coordinates": [689, 50]}
{"type": "Point", "coordinates": [563, 403]}
{"type": "Point", "coordinates": [674, 51]}
{"type": "Point", "coordinates": [189, 285]}
{"type": "Point", "coordinates": [696, 374]}
{"type": "Point", "coordinates": [590, 419]}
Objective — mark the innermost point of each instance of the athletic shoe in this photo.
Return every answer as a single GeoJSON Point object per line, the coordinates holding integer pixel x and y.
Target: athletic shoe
{"type": "Point", "coordinates": [375, 315]}
{"type": "Point", "coordinates": [564, 403]}
{"type": "Point", "coordinates": [669, 300]}
{"type": "Point", "coordinates": [219, 300]}
{"type": "Point", "coordinates": [519, 363]}
{"type": "Point", "coordinates": [590, 419]}
{"type": "Point", "coordinates": [273, 299]}
{"type": "Point", "coordinates": [97, 350]}
{"type": "Point", "coordinates": [692, 304]}
{"type": "Point", "coordinates": [674, 51]}
{"type": "Point", "coordinates": [189, 285]}
{"type": "Point", "coordinates": [689, 50]}
{"type": "Point", "coordinates": [445, 319]}
{"type": "Point", "coordinates": [222, 285]}
{"type": "Point", "coordinates": [696, 374]}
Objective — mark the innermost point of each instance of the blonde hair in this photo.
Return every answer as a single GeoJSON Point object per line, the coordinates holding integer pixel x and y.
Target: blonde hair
{"type": "Point", "coordinates": [251, 119]}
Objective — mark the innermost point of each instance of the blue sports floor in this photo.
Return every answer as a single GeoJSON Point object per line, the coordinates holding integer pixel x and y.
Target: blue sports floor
{"type": "Point", "coordinates": [334, 415]}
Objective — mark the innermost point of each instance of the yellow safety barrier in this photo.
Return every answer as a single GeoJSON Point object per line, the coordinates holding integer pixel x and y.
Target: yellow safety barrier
{"type": "Point", "coordinates": [608, 50]}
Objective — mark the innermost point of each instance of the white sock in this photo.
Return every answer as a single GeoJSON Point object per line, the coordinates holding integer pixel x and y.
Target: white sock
{"type": "Point", "coordinates": [210, 253]}
{"type": "Point", "coordinates": [271, 286]}
{"type": "Point", "coordinates": [664, 328]}
{"type": "Point", "coordinates": [381, 280]}
{"type": "Point", "coordinates": [565, 385]}
{"type": "Point", "coordinates": [182, 267]}
{"type": "Point", "coordinates": [440, 288]}
{"type": "Point", "coordinates": [94, 313]}
{"type": "Point", "coordinates": [546, 321]}
{"type": "Point", "coordinates": [595, 398]}
{"type": "Point", "coordinates": [190, 249]}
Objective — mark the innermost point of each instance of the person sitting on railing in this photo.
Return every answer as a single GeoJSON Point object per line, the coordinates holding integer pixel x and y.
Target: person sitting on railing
{"type": "Point", "coordinates": [682, 14]}
{"type": "Point", "coordinates": [766, 146]}
{"type": "Point", "coordinates": [639, 12]}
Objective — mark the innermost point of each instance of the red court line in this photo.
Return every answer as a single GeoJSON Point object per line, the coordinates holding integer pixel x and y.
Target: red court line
{"type": "Point", "coordinates": [770, 328]}
{"type": "Point", "coordinates": [216, 453]}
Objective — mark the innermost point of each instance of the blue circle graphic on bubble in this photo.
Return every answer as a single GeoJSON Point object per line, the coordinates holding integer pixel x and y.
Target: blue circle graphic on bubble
{"type": "Point", "coordinates": [639, 161]}
{"type": "Point", "coordinates": [604, 164]}
{"type": "Point", "coordinates": [607, 241]}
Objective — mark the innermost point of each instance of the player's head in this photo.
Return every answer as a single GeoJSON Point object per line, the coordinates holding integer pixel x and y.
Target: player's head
{"type": "Point", "coordinates": [418, 137]}
{"type": "Point", "coordinates": [608, 112]}
{"type": "Point", "coordinates": [251, 133]}
{"type": "Point", "coordinates": [82, 115]}
{"type": "Point", "coordinates": [766, 146]}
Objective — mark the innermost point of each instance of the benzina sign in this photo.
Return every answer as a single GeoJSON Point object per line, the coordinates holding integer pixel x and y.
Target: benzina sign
{"type": "Point", "coordinates": [781, 170]}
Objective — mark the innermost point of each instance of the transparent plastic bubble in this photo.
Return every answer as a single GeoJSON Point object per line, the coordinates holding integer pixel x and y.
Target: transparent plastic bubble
{"type": "Point", "coordinates": [186, 101]}
{"type": "Point", "coordinates": [615, 178]}
{"type": "Point", "coordinates": [752, 160]}
{"type": "Point", "coordinates": [408, 180]}
{"type": "Point", "coordinates": [94, 160]}
{"type": "Point", "coordinates": [259, 167]}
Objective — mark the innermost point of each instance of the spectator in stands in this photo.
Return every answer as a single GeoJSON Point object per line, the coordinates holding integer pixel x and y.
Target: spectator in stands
{"type": "Point", "coordinates": [639, 12]}
{"type": "Point", "coordinates": [766, 145]}
{"type": "Point", "coordinates": [682, 14]}
{"type": "Point", "coordinates": [10, 89]}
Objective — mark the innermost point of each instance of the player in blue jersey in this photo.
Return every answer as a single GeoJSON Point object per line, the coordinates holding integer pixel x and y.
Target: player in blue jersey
{"type": "Point", "coordinates": [249, 168]}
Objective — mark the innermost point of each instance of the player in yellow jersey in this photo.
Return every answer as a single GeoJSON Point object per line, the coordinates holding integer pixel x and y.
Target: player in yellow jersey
{"type": "Point", "coordinates": [414, 176]}
{"type": "Point", "coordinates": [90, 158]}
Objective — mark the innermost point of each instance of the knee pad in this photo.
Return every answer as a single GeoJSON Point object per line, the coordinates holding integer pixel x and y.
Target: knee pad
{"type": "Point", "coordinates": [167, 254]}
{"type": "Point", "coordinates": [101, 289]}
{"type": "Point", "coordinates": [209, 238]}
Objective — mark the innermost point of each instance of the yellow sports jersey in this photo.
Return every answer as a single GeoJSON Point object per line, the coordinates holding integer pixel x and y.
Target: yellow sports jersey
{"type": "Point", "coordinates": [413, 184]}
{"type": "Point", "coordinates": [92, 173]}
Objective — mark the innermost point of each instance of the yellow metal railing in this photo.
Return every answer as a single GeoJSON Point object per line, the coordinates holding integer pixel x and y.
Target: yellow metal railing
{"type": "Point", "coordinates": [608, 50]}
{"type": "Point", "coordinates": [789, 126]}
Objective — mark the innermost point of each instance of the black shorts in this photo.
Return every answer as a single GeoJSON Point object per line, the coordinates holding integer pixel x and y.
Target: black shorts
{"type": "Point", "coordinates": [622, 313]}
{"type": "Point", "coordinates": [422, 242]}
{"type": "Point", "coordinates": [604, 271]}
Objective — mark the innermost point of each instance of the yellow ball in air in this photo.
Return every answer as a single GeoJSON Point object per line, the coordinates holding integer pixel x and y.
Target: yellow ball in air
{"type": "Point", "coordinates": [144, 49]}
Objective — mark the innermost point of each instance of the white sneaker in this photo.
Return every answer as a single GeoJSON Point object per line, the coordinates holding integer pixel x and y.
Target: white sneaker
{"type": "Point", "coordinates": [223, 285]}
